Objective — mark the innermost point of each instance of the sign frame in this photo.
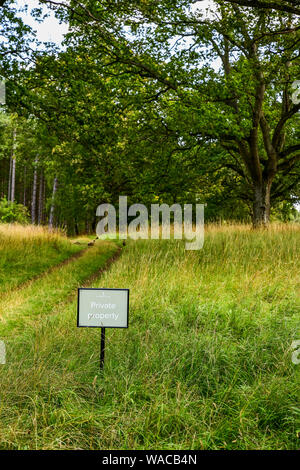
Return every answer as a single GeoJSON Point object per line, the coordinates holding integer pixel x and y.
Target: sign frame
{"type": "Point", "coordinates": [101, 289]}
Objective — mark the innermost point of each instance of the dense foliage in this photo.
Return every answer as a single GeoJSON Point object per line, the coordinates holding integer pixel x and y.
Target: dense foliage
{"type": "Point", "coordinates": [159, 101]}
{"type": "Point", "coordinates": [13, 212]}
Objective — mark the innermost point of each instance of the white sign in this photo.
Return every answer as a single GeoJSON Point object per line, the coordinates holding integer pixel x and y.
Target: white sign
{"type": "Point", "coordinates": [102, 308]}
{"type": "Point", "coordinates": [2, 92]}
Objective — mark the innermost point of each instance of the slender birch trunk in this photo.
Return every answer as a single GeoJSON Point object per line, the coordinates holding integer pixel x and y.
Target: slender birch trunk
{"type": "Point", "coordinates": [9, 180]}
{"type": "Point", "coordinates": [13, 167]}
{"type": "Point", "coordinates": [13, 180]}
{"type": "Point", "coordinates": [51, 216]}
{"type": "Point", "coordinates": [40, 209]}
{"type": "Point", "coordinates": [34, 188]}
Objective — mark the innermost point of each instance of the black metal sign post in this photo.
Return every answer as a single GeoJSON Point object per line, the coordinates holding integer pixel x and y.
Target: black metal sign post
{"type": "Point", "coordinates": [102, 349]}
{"type": "Point", "coordinates": [102, 308]}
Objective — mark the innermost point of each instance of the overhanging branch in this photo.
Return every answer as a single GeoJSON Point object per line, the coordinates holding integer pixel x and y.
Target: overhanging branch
{"type": "Point", "coordinates": [289, 7]}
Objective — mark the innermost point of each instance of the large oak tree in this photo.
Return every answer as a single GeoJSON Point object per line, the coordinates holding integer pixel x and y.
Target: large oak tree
{"type": "Point", "coordinates": [229, 74]}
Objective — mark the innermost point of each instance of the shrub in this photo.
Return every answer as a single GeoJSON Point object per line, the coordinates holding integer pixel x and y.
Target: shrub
{"type": "Point", "coordinates": [13, 212]}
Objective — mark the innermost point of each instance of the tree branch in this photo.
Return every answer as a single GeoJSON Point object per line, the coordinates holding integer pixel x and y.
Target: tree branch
{"type": "Point", "coordinates": [292, 7]}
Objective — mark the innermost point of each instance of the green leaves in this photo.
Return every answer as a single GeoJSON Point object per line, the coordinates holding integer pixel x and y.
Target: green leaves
{"type": "Point", "coordinates": [13, 212]}
{"type": "Point", "coordinates": [162, 98]}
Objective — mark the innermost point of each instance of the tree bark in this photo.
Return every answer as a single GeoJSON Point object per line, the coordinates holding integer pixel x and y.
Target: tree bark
{"type": "Point", "coordinates": [40, 208]}
{"type": "Point", "coordinates": [9, 180]}
{"type": "Point", "coordinates": [76, 229]}
{"type": "Point", "coordinates": [87, 226]}
{"type": "Point", "coordinates": [13, 167]}
{"type": "Point", "coordinates": [51, 216]}
{"type": "Point", "coordinates": [33, 201]}
{"type": "Point", "coordinates": [24, 187]}
{"type": "Point", "coordinates": [13, 179]}
{"type": "Point", "coordinates": [262, 204]}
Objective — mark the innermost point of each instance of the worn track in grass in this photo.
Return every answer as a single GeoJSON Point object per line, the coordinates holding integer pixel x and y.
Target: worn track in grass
{"type": "Point", "coordinates": [41, 296]}
{"type": "Point", "coordinates": [47, 271]}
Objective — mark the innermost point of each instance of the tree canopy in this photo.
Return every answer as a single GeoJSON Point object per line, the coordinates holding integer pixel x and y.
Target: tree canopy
{"type": "Point", "coordinates": [162, 101]}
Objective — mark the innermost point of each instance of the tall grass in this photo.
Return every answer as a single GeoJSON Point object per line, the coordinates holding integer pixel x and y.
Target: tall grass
{"type": "Point", "coordinates": [205, 363]}
{"type": "Point", "coordinates": [26, 251]}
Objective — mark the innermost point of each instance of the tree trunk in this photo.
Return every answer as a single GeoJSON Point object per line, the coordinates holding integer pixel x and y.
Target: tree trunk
{"type": "Point", "coordinates": [262, 204]}
{"type": "Point", "coordinates": [13, 179]}
{"type": "Point", "coordinates": [87, 226]}
{"type": "Point", "coordinates": [33, 201]}
{"type": "Point", "coordinates": [9, 180]}
{"type": "Point", "coordinates": [24, 187]}
{"type": "Point", "coordinates": [44, 200]}
{"type": "Point", "coordinates": [51, 216]}
{"type": "Point", "coordinates": [40, 209]}
{"type": "Point", "coordinates": [13, 167]}
{"type": "Point", "coordinates": [76, 229]}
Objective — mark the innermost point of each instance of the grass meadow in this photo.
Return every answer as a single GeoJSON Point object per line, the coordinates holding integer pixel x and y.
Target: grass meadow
{"type": "Point", "coordinates": [205, 362]}
{"type": "Point", "coordinates": [27, 251]}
